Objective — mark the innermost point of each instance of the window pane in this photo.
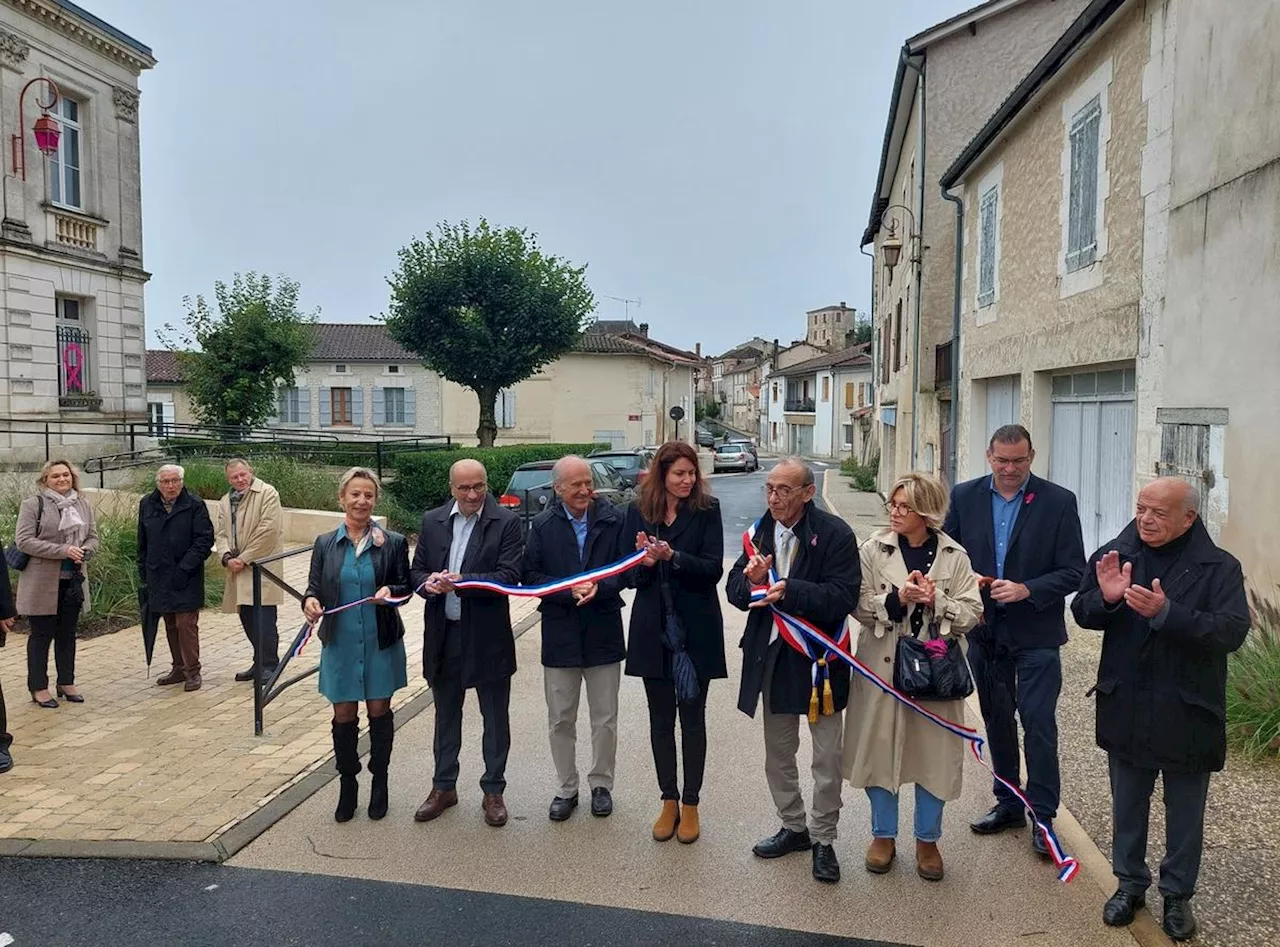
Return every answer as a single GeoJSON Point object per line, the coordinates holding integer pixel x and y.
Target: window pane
{"type": "Point", "coordinates": [1128, 379]}
{"type": "Point", "coordinates": [1085, 383]}
{"type": "Point", "coordinates": [71, 147]}
{"type": "Point", "coordinates": [70, 109]}
{"type": "Point", "coordinates": [1062, 385]}
{"type": "Point", "coordinates": [1111, 383]}
{"type": "Point", "coordinates": [55, 179]}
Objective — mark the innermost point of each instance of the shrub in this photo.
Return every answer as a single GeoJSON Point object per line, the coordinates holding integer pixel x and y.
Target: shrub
{"type": "Point", "coordinates": [422, 479]}
{"type": "Point", "coordinates": [1253, 684]}
{"type": "Point", "coordinates": [862, 475]}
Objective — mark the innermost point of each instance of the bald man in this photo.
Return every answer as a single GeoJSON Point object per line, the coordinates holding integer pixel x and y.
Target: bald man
{"type": "Point", "coordinates": [1171, 607]}
{"type": "Point", "coordinates": [467, 640]}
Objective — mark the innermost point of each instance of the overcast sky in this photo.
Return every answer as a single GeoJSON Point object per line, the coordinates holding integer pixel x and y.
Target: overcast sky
{"type": "Point", "coordinates": [714, 158]}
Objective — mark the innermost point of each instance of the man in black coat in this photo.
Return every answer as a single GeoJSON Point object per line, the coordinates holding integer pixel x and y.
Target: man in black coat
{"type": "Point", "coordinates": [1171, 606]}
{"type": "Point", "coordinates": [815, 558]}
{"type": "Point", "coordinates": [1023, 534]}
{"type": "Point", "coordinates": [7, 615]}
{"type": "Point", "coordinates": [175, 537]}
{"type": "Point", "coordinates": [581, 631]}
{"type": "Point", "coordinates": [467, 640]}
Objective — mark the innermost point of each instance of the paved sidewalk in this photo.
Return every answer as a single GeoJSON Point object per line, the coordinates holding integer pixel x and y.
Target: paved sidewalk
{"type": "Point", "coordinates": [145, 771]}
{"type": "Point", "coordinates": [863, 511]}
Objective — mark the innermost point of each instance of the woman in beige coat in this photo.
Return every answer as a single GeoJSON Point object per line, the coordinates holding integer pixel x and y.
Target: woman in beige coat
{"type": "Point", "coordinates": [55, 528]}
{"type": "Point", "coordinates": [914, 576]}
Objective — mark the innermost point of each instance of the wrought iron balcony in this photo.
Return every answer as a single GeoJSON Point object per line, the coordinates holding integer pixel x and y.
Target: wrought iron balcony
{"type": "Point", "coordinates": [795, 405]}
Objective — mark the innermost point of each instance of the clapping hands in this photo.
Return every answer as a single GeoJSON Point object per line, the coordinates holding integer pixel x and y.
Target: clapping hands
{"type": "Point", "coordinates": [919, 590]}
{"type": "Point", "coordinates": [1115, 582]}
{"type": "Point", "coordinates": [656, 550]}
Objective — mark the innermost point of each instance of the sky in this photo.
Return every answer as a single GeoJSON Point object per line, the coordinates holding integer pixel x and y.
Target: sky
{"type": "Point", "coordinates": [713, 159]}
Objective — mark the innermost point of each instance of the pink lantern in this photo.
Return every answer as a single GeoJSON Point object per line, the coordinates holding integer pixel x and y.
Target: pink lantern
{"type": "Point", "coordinates": [46, 129]}
{"type": "Point", "coordinates": [47, 134]}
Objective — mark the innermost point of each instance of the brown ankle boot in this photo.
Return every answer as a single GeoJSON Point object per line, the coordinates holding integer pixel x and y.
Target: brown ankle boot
{"type": "Point", "coordinates": [928, 861]}
{"type": "Point", "coordinates": [668, 819]}
{"type": "Point", "coordinates": [880, 855]}
{"type": "Point", "coordinates": [688, 829]}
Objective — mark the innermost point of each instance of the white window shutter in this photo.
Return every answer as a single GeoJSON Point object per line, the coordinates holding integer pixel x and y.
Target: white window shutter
{"type": "Point", "coordinates": [379, 406]}
{"type": "Point", "coordinates": [987, 248]}
{"type": "Point", "coordinates": [410, 412]}
{"type": "Point", "coordinates": [1082, 209]}
{"type": "Point", "coordinates": [357, 407]}
{"type": "Point", "coordinates": [166, 409]}
{"type": "Point", "coordinates": [509, 407]}
{"type": "Point", "coordinates": [326, 408]}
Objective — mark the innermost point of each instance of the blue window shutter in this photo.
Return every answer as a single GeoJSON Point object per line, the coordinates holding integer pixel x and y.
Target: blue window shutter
{"type": "Point", "coordinates": [326, 408]}
{"type": "Point", "coordinates": [304, 407]}
{"type": "Point", "coordinates": [410, 415]}
{"type": "Point", "coordinates": [357, 407]}
{"type": "Point", "coordinates": [379, 408]}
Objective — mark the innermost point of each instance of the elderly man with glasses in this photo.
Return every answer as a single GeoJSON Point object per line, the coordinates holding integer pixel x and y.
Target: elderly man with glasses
{"type": "Point", "coordinates": [1023, 537]}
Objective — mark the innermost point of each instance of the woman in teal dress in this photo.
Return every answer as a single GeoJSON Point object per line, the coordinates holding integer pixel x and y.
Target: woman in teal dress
{"type": "Point", "coordinates": [362, 655]}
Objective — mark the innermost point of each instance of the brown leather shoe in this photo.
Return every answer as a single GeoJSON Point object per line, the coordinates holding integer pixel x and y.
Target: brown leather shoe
{"type": "Point", "coordinates": [665, 825]}
{"type": "Point", "coordinates": [436, 802]}
{"type": "Point", "coordinates": [928, 861]}
{"type": "Point", "coordinates": [689, 828]}
{"type": "Point", "coordinates": [495, 810]}
{"type": "Point", "coordinates": [880, 855]}
{"type": "Point", "coordinates": [193, 683]}
{"type": "Point", "coordinates": [173, 677]}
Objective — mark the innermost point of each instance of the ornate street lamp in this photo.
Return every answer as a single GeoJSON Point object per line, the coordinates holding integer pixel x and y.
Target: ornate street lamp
{"type": "Point", "coordinates": [46, 129]}
{"type": "Point", "coordinates": [891, 246]}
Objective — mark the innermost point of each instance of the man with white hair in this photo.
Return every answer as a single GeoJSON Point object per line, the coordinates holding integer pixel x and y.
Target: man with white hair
{"type": "Point", "coordinates": [175, 537]}
{"type": "Point", "coordinates": [581, 631]}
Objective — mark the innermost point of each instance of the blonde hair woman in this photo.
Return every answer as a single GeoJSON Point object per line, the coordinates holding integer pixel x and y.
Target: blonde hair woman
{"type": "Point", "coordinates": [55, 528]}
{"type": "Point", "coordinates": [915, 579]}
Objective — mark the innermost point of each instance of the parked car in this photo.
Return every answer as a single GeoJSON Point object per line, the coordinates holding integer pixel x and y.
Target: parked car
{"type": "Point", "coordinates": [747, 444]}
{"type": "Point", "coordinates": [631, 465]}
{"type": "Point", "coordinates": [530, 489]}
{"type": "Point", "coordinates": [705, 438]}
{"type": "Point", "coordinates": [734, 457]}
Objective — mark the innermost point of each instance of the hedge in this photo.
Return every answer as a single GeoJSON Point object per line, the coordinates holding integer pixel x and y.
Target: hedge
{"type": "Point", "coordinates": [422, 479]}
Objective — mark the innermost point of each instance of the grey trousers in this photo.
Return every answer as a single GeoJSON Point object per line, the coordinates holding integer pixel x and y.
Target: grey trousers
{"type": "Point", "coordinates": [563, 687]}
{"type": "Point", "coordinates": [1184, 801]}
{"type": "Point", "coordinates": [781, 743]}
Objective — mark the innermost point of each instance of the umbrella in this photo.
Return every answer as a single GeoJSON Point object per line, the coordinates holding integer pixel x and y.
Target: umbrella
{"type": "Point", "coordinates": [150, 624]}
{"type": "Point", "coordinates": [675, 638]}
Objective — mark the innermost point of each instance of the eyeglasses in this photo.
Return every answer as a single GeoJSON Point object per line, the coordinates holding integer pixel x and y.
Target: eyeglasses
{"type": "Point", "coordinates": [471, 487]}
{"type": "Point", "coordinates": [783, 492]}
{"type": "Point", "coordinates": [170, 480]}
{"type": "Point", "coordinates": [900, 508]}
{"type": "Point", "coordinates": [1010, 461]}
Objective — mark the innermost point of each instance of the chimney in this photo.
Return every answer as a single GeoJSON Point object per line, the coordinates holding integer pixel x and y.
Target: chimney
{"type": "Point", "coordinates": [843, 304]}
{"type": "Point", "coordinates": [644, 329]}
{"type": "Point", "coordinates": [697, 349]}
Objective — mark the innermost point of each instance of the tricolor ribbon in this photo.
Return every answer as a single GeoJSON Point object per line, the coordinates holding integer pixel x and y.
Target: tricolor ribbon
{"type": "Point", "coordinates": [1067, 866]}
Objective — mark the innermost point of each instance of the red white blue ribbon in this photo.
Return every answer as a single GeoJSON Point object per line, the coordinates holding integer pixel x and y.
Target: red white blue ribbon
{"type": "Point", "coordinates": [1067, 866]}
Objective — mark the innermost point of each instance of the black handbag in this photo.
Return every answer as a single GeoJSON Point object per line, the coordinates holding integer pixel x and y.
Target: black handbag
{"type": "Point", "coordinates": [919, 673]}
{"type": "Point", "coordinates": [15, 557]}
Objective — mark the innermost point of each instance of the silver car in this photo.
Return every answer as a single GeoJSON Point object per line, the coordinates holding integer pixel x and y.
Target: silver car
{"type": "Point", "coordinates": [734, 457]}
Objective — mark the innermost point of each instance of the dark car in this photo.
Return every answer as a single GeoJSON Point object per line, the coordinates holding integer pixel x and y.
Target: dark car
{"type": "Point", "coordinates": [705, 438]}
{"type": "Point", "coordinates": [631, 465]}
{"type": "Point", "coordinates": [530, 489]}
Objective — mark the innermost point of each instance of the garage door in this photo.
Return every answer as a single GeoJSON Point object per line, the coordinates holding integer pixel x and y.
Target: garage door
{"type": "Point", "coordinates": [1092, 450]}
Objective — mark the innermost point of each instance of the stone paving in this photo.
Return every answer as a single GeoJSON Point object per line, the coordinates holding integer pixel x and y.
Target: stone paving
{"type": "Point", "coordinates": [137, 763]}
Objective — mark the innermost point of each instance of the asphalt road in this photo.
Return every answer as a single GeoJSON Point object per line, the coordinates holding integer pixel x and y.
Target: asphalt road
{"type": "Point", "coordinates": [742, 501]}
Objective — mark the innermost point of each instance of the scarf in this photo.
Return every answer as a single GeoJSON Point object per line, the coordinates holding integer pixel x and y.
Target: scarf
{"type": "Point", "coordinates": [234, 500]}
{"type": "Point", "coordinates": [71, 524]}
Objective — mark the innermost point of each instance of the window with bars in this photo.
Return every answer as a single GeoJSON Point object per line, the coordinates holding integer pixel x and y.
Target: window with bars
{"type": "Point", "coordinates": [987, 247]}
{"type": "Point", "coordinates": [1082, 201]}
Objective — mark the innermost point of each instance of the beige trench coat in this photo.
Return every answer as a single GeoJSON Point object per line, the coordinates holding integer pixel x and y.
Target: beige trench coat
{"type": "Point", "coordinates": [885, 743]}
{"type": "Point", "coordinates": [38, 582]}
{"type": "Point", "coordinates": [260, 529]}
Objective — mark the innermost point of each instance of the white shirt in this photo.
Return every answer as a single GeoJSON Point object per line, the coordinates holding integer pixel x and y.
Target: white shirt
{"type": "Point", "coordinates": [463, 526]}
{"type": "Point", "coordinates": [784, 551]}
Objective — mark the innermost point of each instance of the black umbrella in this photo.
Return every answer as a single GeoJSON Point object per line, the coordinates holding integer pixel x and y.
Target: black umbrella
{"type": "Point", "coordinates": [675, 639]}
{"type": "Point", "coordinates": [150, 624]}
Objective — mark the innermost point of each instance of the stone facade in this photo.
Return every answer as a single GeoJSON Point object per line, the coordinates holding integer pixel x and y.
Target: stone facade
{"type": "Point", "coordinates": [830, 327]}
{"type": "Point", "coordinates": [71, 269]}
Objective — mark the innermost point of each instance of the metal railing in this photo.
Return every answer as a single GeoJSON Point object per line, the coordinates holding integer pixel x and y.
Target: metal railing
{"type": "Point", "coordinates": [267, 690]}
{"type": "Point", "coordinates": [798, 404]}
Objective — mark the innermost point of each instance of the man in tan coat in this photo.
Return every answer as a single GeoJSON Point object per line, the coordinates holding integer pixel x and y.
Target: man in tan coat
{"type": "Point", "coordinates": [251, 527]}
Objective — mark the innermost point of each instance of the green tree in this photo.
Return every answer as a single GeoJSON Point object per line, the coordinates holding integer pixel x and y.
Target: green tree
{"type": "Point", "coordinates": [484, 307]}
{"type": "Point", "coordinates": [707, 409]}
{"type": "Point", "coordinates": [234, 359]}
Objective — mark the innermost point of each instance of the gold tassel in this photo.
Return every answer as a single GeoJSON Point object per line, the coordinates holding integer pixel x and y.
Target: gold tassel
{"type": "Point", "coordinates": [828, 701]}
{"type": "Point", "coordinates": [813, 705]}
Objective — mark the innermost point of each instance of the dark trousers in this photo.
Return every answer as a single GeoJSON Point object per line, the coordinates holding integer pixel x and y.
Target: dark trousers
{"type": "Point", "coordinates": [1027, 683]}
{"type": "Point", "coordinates": [1184, 800]}
{"type": "Point", "coordinates": [6, 738]}
{"type": "Point", "coordinates": [495, 705]}
{"type": "Point", "coordinates": [58, 630]}
{"type": "Point", "coordinates": [270, 635]}
{"type": "Point", "coordinates": [182, 630]}
{"type": "Point", "coordinates": [663, 710]}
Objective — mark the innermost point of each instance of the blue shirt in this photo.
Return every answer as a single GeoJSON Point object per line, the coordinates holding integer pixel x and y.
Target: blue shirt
{"type": "Point", "coordinates": [1004, 514]}
{"type": "Point", "coordinates": [463, 526]}
{"type": "Point", "coordinates": [579, 528]}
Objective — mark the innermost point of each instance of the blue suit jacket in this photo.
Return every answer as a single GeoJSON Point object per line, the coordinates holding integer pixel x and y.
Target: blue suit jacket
{"type": "Point", "coordinates": [1046, 554]}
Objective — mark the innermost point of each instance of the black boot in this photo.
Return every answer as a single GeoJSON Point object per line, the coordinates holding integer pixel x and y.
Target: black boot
{"type": "Point", "coordinates": [382, 732]}
{"type": "Point", "coordinates": [346, 760]}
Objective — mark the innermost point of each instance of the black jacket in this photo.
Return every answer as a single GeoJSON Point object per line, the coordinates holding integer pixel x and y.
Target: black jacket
{"type": "Point", "coordinates": [574, 636]}
{"type": "Point", "coordinates": [6, 600]}
{"type": "Point", "coordinates": [1162, 692]}
{"type": "Point", "coordinates": [390, 569]}
{"type": "Point", "coordinates": [823, 586]}
{"type": "Point", "coordinates": [172, 548]}
{"type": "Point", "coordinates": [494, 553]}
{"type": "Point", "coordinates": [697, 538]}
{"type": "Point", "coordinates": [1046, 554]}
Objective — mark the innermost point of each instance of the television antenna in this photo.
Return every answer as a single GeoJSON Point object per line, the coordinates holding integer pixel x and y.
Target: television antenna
{"type": "Point", "coordinates": [625, 302]}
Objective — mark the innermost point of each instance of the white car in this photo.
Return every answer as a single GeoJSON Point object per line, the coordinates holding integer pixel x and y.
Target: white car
{"type": "Point", "coordinates": [734, 457]}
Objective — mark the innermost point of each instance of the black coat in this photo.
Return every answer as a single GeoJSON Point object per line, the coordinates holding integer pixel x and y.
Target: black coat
{"type": "Point", "coordinates": [1046, 554]}
{"type": "Point", "coordinates": [823, 586]}
{"type": "Point", "coordinates": [493, 553]}
{"type": "Point", "coordinates": [1162, 692]}
{"type": "Point", "coordinates": [390, 569]}
{"type": "Point", "coordinates": [576, 636]}
{"type": "Point", "coordinates": [697, 538]}
{"type": "Point", "coordinates": [172, 548]}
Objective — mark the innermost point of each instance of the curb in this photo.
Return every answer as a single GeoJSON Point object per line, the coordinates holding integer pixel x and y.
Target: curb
{"type": "Point", "coordinates": [227, 843]}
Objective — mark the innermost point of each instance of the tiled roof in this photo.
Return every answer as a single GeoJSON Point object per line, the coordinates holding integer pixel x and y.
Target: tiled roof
{"type": "Point", "coordinates": [615, 327]}
{"type": "Point", "coordinates": [162, 368]}
{"type": "Point", "coordinates": [846, 358]}
{"type": "Point", "coordinates": [357, 342]}
{"type": "Point", "coordinates": [606, 343]}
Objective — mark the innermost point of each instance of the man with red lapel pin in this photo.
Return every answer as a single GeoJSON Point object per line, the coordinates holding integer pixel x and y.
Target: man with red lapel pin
{"type": "Point", "coordinates": [1023, 534]}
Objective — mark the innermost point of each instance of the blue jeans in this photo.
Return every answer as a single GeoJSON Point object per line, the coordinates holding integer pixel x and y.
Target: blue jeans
{"type": "Point", "coordinates": [884, 814]}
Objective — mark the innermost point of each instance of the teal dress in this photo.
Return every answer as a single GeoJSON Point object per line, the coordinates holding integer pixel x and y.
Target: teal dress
{"type": "Point", "coordinates": [352, 666]}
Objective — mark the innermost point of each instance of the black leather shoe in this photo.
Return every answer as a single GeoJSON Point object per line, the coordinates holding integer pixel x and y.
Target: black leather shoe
{"type": "Point", "coordinates": [782, 842]}
{"type": "Point", "coordinates": [601, 802]}
{"type": "Point", "coordinates": [248, 675]}
{"type": "Point", "coordinates": [825, 866]}
{"type": "Point", "coordinates": [1179, 923]}
{"type": "Point", "coordinates": [1038, 844]}
{"type": "Point", "coordinates": [562, 808]}
{"type": "Point", "coordinates": [1121, 908]}
{"type": "Point", "coordinates": [6, 760]}
{"type": "Point", "coordinates": [999, 819]}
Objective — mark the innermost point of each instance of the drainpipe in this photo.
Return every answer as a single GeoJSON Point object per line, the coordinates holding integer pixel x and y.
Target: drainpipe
{"type": "Point", "coordinates": [875, 362]}
{"type": "Point", "coordinates": [921, 164]}
{"type": "Point", "coordinates": [955, 332]}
